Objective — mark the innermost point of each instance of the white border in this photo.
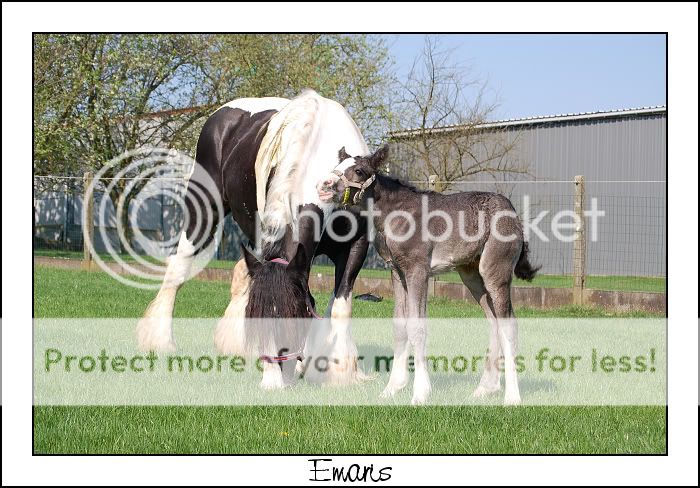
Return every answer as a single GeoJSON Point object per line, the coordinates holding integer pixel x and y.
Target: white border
{"type": "Point", "coordinates": [19, 20]}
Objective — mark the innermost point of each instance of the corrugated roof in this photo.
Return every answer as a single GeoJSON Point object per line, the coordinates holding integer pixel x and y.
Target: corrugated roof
{"type": "Point", "coordinates": [539, 119]}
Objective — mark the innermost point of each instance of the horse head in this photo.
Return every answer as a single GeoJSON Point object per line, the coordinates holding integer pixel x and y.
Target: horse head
{"type": "Point", "coordinates": [279, 288]}
{"type": "Point", "coordinates": [351, 178]}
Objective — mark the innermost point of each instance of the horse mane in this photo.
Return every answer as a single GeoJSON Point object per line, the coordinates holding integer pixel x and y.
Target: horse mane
{"type": "Point", "coordinates": [289, 138]}
{"type": "Point", "coordinates": [393, 183]}
{"type": "Point", "coordinates": [289, 300]}
{"type": "Point", "coordinates": [288, 297]}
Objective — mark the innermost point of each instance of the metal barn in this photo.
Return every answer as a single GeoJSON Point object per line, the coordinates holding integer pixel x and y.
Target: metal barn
{"type": "Point", "coordinates": [622, 156]}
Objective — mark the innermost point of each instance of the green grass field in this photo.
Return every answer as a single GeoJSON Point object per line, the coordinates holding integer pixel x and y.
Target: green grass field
{"type": "Point", "coordinates": [621, 283]}
{"type": "Point", "coordinates": [342, 430]}
{"type": "Point", "coordinates": [306, 430]}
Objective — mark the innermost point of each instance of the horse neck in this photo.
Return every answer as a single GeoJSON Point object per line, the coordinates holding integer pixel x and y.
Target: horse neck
{"type": "Point", "coordinates": [388, 193]}
{"type": "Point", "coordinates": [301, 143]}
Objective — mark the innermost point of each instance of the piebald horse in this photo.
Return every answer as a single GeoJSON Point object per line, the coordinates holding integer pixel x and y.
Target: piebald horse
{"type": "Point", "coordinates": [486, 261]}
{"type": "Point", "coordinates": [266, 156]}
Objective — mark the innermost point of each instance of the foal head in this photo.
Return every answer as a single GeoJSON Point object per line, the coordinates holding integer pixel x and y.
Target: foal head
{"type": "Point", "coordinates": [279, 289]}
{"type": "Point", "coordinates": [352, 177]}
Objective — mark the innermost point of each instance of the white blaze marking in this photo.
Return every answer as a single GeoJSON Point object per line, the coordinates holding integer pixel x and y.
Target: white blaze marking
{"type": "Point", "coordinates": [345, 164]}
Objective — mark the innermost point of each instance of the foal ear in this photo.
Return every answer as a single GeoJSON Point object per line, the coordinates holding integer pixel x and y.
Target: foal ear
{"type": "Point", "coordinates": [342, 155]}
{"type": "Point", "coordinates": [251, 261]}
{"type": "Point", "coordinates": [379, 156]}
{"type": "Point", "coordinates": [298, 263]}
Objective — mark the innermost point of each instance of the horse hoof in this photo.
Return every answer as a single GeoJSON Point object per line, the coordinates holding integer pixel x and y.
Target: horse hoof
{"type": "Point", "coordinates": [482, 391]}
{"type": "Point", "coordinates": [339, 372]}
{"type": "Point", "coordinates": [417, 401]}
{"type": "Point", "coordinates": [153, 340]}
{"type": "Point", "coordinates": [420, 398]}
{"type": "Point", "coordinates": [229, 337]}
{"type": "Point", "coordinates": [391, 390]}
{"type": "Point", "coordinates": [272, 384]}
{"type": "Point", "coordinates": [387, 393]}
{"type": "Point", "coordinates": [512, 400]}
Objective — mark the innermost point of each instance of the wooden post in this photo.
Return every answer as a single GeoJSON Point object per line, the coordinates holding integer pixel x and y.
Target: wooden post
{"type": "Point", "coordinates": [432, 186]}
{"type": "Point", "coordinates": [66, 204]}
{"type": "Point", "coordinates": [432, 182]}
{"type": "Point", "coordinates": [87, 219]}
{"type": "Point", "coordinates": [579, 262]}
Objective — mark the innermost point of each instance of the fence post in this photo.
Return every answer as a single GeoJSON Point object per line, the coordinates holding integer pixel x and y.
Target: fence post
{"type": "Point", "coordinates": [87, 219]}
{"type": "Point", "coordinates": [66, 206]}
{"type": "Point", "coordinates": [432, 182]}
{"type": "Point", "coordinates": [579, 262]}
{"type": "Point", "coordinates": [432, 186]}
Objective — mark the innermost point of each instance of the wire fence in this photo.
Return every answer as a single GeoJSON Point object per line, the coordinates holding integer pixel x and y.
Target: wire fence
{"type": "Point", "coordinates": [625, 245]}
{"type": "Point", "coordinates": [625, 251]}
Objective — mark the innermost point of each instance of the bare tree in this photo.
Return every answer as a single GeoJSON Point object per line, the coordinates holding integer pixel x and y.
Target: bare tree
{"type": "Point", "coordinates": [443, 115]}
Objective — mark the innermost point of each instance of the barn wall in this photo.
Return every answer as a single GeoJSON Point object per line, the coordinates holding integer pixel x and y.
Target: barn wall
{"type": "Point", "coordinates": [624, 149]}
{"type": "Point", "coordinates": [628, 150]}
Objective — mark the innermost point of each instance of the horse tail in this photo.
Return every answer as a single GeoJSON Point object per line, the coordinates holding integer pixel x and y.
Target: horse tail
{"type": "Point", "coordinates": [523, 269]}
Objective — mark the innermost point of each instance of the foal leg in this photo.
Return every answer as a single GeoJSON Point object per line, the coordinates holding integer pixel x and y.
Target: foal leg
{"type": "Point", "coordinates": [508, 337]}
{"type": "Point", "coordinates": [155, 330]}
{"type": "Point", "coordinates": [496, 269]}
{"type": "Point", "coordinates": [230, 331]}
{"type": "Point", "coordinates": [416, 326]}
{"type": "Point", "coordinates": [491, 378]}
{"type": "Point", "coordinates": [398, 378]}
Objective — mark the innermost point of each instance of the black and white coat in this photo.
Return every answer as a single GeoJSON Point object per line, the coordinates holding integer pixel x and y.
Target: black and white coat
{"type": "Point", "coordinates": [265, 156]}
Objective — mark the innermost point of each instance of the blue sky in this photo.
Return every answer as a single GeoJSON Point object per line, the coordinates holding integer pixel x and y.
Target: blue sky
{"type": "Point", "coordinates": [551, 74]}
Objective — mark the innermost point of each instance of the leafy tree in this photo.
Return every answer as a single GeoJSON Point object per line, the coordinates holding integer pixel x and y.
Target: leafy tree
{"type": "Point", "coordinates": [99, 95]}
{"type": "Point", "coordinates": [92, 93]}
{"type": "Point", "coordinates": [351, 69]}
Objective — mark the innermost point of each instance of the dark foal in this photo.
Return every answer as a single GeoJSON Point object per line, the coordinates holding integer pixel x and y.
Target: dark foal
{"type": "Point", "coordinates": [423, 233]}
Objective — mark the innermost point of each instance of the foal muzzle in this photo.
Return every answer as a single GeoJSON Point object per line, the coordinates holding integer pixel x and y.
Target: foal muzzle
{"type": "Point", "coordinates": [362, 187]}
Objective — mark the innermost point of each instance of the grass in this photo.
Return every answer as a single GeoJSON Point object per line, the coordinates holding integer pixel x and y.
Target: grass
{"type": "Point", "coordinates": [345, 430]}
{"type": "Point", "coordinates": [305, 430]}
{"type": "Point", "coordinates": [621, 283]}
{"type": "Point", "coordinates": [63, 293]}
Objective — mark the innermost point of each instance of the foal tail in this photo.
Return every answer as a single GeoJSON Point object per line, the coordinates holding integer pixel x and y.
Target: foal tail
{"type": "Point", "coordinates": [523, 269]}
